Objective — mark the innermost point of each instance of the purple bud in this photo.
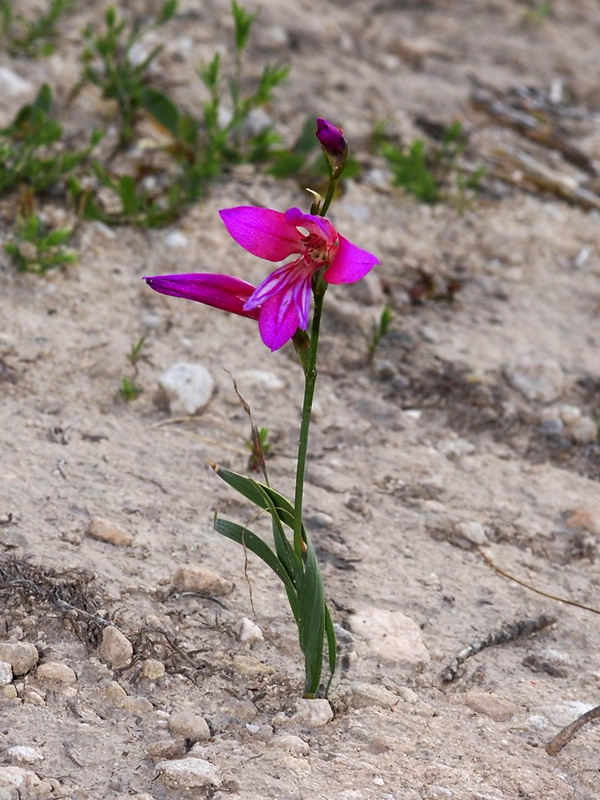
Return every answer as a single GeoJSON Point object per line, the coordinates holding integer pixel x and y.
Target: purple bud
{"type": "Point", "coordinates": [332, 139]}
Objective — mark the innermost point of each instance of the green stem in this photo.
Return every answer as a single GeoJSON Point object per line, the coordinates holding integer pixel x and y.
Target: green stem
{"type": "Point", "coordinates": [310, 380]}
{"type": "Point", "coordinates": [328, 196]}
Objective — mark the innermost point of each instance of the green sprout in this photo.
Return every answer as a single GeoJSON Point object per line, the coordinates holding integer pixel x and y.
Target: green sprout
{"type": "Point", "coordinates": [129, 390]}
{"type": "Point", "coordinates": [260, 449]}
{"type": "Point", "coordinates": [36, 248]}
{"type": "Point", "coordinates": [32, 37]}
{"type": "Point", "coordinates": [108, 64]}
{"type": "Point", "coordinates": [379, 329]}
{"type": "Point", "coordinates": [425, 170]}
{"type": "Point", "coordinates": [31, 151]}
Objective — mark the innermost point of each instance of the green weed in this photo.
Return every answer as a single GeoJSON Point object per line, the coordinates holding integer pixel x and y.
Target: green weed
{"type": "Point", "coordinates": [31, 151]}
{"type": "Point", "coordinates": [379, 329]}
{"type": "Point", "coordinates": [37, 248]}
{"type": "Point", "coordinates": [427, 170]}
{"type": "Point", "coordinates": [109, 65]}
{"type": "Point", "coordinates": [129, 389]}
{"type": "Point", "coordinates": [32, 37]}
{"type": "Point", "coordinates": [260, 449]}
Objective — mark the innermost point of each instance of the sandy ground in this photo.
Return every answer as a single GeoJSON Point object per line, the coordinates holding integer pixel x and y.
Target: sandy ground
{"type": "Point", "coordinates": [463, 439]}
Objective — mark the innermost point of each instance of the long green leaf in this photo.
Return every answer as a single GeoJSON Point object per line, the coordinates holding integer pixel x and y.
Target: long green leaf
{"type": "Point", "coordinates": [311, 623]}
{"type": "Point", "coordinates": [331, 647]}
{"type": "Point", "coordinates": [245, 537]}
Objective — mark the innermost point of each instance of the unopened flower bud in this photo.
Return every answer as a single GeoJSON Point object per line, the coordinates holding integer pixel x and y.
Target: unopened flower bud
{"type": "Point", "coordinates": [332, 140]}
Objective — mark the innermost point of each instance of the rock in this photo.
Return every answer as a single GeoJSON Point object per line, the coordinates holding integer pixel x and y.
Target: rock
{"type": "Point", "coordinates": [251, 667]}
{"type": "Point", "coordinates": [202, 580]}
{"type": "Point", "coordinates": [115, 649]}
{"type": "Point", "coordinates": [189, 725]}
{"type": "Point", "coordinates": [583, 518]}
{"type": "Point", "coordinates": [22, 656]}
{"type": "Point", "coordinates": [176, 240]}
{"type": "Point", "coordinates": [272, 37]}
{"type": "Point", "coordinates": [136, 705]}
{"type": "Point", "coordinates": [25, 755]}
{"type": "Point", "coordinates": [6, 673]}
{"type": "Point", "coordinates": [538, 381]}
{"type": "Point", "coordinates": [490, 704]}
{"type": "Point", "coordinates": [25, 782]}
{"type": "Point", "coordinates": [391, 635]}
{"type": "Point", "coordinates": [9, 692]}
{"type": "Point", "coordinates": [166, 749]}
{"type": "Point", "coordinates": [367, 694]}
{"type": "Point", "coordinates": [187, 388]}
{"type": "Point", "coordinates": [584, 430]}
{"type": "Point", "coordinates": [115, 693]}
{"type": "Point", "coordinates": [312, 713]}
{"type": "Point", "coordinates": [106, 531]}
{"type": "Point", "coordinates": [32, 697]}
{"type": "Point", "coordinates": [152, 669]}
{"type": "Point", "coordinates": [188, 773]}
{"type": "Point", "coordinates": [13, 85]}
{"type": "Point", "coordinates": [260, 379]}
{"type": "Point", "coordinates": [248, 632]}
{"type": "Point", "coordinates": [57, 672]}
{"type": "Point", "coordinates": [408, 695]}
{"type": "Point", "coordinates": [473, 532]}
{"type": "Point", "coordinates": [290, 743]}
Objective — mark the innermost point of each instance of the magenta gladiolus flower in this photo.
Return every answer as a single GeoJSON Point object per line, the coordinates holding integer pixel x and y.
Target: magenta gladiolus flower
{"type": "Point", "coordinates": [219, 291]}
{"type": "Point", "coordinates": [283, 298]}
{"type": "Point", "coordinates": [331, 138]}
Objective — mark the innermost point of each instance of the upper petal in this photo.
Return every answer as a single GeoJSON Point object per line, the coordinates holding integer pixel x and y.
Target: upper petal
{"type": "Point", "coordinates": [351, 263]}
{"type": "Point", "coordinates": [262, 231]}
{"type": "Point", "coordinates": [320, 226]}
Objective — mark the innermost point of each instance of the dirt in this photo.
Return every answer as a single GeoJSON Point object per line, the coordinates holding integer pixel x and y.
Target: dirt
{"type": "Point", "coordinates": [425, 466]}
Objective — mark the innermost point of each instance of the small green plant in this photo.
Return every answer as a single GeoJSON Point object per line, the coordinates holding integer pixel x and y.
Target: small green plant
{"type": "Point", "coordinates": [537, 14]}
{"type": "Point", "coordinates": [109, 64]}
{"type": "Point", "coordinates": [224, 140]}
{"type": "Point", "coordinates": [37, 248]}
{"type": "Point", "coordinates": [379, 329]}
{"type": "Point", "coordinates": [31, 151]}
{"type": "Point", "coordinates": [32, 37]}
{"type": "Point", "coordinates": [129, 389]}
{"type": "Point", "coordinates": [260, 448]}
{"type": "Point", "coordinates": [426, 170]}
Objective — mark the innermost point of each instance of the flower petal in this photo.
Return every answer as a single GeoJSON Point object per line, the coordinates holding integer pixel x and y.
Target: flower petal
{"type": "Point", "coordinates": [213, 289]}
{"type": "Point", "coordinates": [277, 325]}
{"type": "Point", "coordinates": [320, 226]}
{"type": "Point", "coordinates": [262, 231]}
{"type": "Point", "coordinates": [274, 283]}
{"type": "Point", "coordinates": [351, 263]}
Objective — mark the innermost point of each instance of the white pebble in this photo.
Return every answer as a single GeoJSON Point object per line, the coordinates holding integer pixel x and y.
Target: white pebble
{"type": "Point", "coordinates": [188, 773]}
{"type": "Point", "coordinates": [6, 673]}
{"type": "Point", "coordinates": [248, 632]}
{"type": "Point", "coordinates": [25, 755]}
{"type": "Point", "coordinates": [176, 240]}
{"type": "Point", "coordinates": [187, 388]}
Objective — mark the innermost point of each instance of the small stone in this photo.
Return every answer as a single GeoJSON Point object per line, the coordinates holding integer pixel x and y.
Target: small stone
{"type": "Point", "coordinates": [584, 430]}
{"type": "Point", "coordinates": [538, 381]}
{"type": "Point", "coordinates": [248, 632]}
{"type": "Point", "coordinates": [189, 725]}
{"type": "Point", "coordinates": [115, 649]}
{"type": "Point", "coordinates": [408, 695]}
{"type": "Point", "coordinates": [491, 705]}
{"type": "Point", "coordinates": [569, 414]}
{"type": "Point", "coordinates": [115, 693]}
{"type": "Point", "coordinates": [272, 37]}
{"type": "Point", "coordinates": [312, 713]}
{"type": "Point", "coordinates": [25, 755]}
{"type": "Point", "coordinates": [290, 743]}
{"type": "Point", "coordinates": [367, 694]}
{"type": "Point", "coordinates": [6, 673]}
{"type": "Point", "coordinates": [136, 705]}
{"type": "Point", "coordinates": [583, 518]}
{"type": "Point", "coordinates": [251, 667]}
{"type": "Point", "coordinates": [202, 580]}
{"type": "Point", "coordinates": [391, 635]}
{"type": "Point", "coordinates": [260, 379]}
{"type": "Point", "coordinates": [473, 532]}
{"type": "Point", "coordinates": [106, 531]}
{"type": "Point", "coordinates": [166, 749]}
{"type": "Point", "coordinates": [188, 773]}
{"type": "Point", "coordinates": [25, 783]}
{"type": "Point", "coordinates": [152, 669]}
{"type": "Point", "coordinates": [187, 388]}
{"type": "Point", "coordinates": [22, 656]}
{"type": "Point", "coordinates": [9, 692]}
{"type": "Point", "coordinates": [384, 370]}
{"type": "Point", "coordinates": [57, 672]}
{"type": "Point", "coordinates": [176, 240]}
{"type": "Point", "coordinates": [13, 85]}
{"type": "Point", "coordinates": [32, 697]}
